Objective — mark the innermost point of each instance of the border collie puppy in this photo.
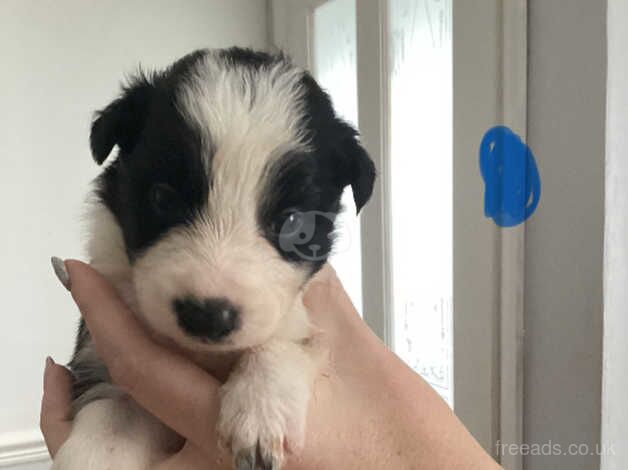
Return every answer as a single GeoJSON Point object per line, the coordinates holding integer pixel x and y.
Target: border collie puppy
{"type": "Point", "coordinates": [217, 210]}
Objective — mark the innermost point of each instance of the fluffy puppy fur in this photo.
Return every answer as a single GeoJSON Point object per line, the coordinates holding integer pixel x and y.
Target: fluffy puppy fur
{"type": "Point", "coordinates": [218, 209]}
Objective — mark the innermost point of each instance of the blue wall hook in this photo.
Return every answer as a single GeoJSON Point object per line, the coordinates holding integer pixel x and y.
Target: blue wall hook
{"type": "Point", "coordinates": [511, 177]}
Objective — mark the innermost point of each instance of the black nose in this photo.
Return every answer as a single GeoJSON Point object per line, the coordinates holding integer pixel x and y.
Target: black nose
{"type": "Point", "coordinates": [210, 319]}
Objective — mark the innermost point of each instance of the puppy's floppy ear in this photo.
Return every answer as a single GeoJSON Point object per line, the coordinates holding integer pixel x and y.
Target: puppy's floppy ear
{"type": "Point", "coordinates": [122, 121]}
{"type": "Point", "coordinates": [359, 170]}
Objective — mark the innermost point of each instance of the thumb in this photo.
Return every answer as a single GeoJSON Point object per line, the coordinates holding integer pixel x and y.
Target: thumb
{"type": "Point", "coordinates": [55, 420]}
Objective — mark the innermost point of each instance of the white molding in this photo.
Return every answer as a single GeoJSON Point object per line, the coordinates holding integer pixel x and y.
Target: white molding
{"type": "Point", "coordinates": [477, 89]}
{"type": "Point", "coordinates": [490, 88]}
{"type": "Point", "coordinates": [512, 276]}
{"type": "Point", "coordinates": [18, 448]}
{"type": "Point", "coordinates": [373, 122]}
{"type": "Point", "coordinates": [292, 28]}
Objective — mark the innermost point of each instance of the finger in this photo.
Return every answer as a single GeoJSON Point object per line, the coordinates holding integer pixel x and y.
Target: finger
{"type": "Point", "coordinates": [54, 419]}
{"type": "Point", "coordinates": [192, 457]}
{"type": "Point", "coordinates": [327, 273]}
{"type": "Point", "coordinates": [326, 298]}
{"type": "Point", "coordinates": [167, 384]}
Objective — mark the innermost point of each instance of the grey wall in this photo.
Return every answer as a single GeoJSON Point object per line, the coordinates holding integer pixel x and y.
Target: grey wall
{"type": "Point", "coordinates": [61, 60]}
{"type": "Point", "coordinates": [615, 377]}
{"type": "Point", "coordinates": [564, 239]}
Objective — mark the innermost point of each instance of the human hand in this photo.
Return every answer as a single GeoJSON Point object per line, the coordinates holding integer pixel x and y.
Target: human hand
{"type": "Point", "coordinates": [367, 410]}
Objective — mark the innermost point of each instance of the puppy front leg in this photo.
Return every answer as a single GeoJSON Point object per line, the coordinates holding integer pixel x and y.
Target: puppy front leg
{"type": "Point", "coordinates": [265, 401]}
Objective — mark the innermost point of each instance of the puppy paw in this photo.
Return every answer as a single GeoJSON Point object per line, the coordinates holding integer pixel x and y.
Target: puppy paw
{"type": "Point", "coordinates": [264, 405]}
{"type": "Point", "coordinates": [254, 428]}
{"type": "Point", "coordinates": [254, 458]}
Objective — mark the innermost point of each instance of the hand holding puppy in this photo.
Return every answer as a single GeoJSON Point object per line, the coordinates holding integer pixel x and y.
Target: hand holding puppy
{"type": "Point", "coordinates": [411, 427]}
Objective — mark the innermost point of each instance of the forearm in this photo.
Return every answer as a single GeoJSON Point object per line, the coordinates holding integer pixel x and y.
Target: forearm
{"type": "Point", "coordinates": [370, 410]}
{"type": "Point", "coordinates": [385, 416]}
{"type": "Point", "coordinates": [426, 431]}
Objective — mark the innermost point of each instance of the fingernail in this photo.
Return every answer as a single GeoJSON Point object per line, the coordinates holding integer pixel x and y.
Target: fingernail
{"type": "Point", "coordinates": [49, 364]}
{"type": "Point", "coordinates": [62, 274]}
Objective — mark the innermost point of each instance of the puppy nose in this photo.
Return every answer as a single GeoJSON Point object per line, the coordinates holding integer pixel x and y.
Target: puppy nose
{"type": "Point", "coordinates": [210, 319]}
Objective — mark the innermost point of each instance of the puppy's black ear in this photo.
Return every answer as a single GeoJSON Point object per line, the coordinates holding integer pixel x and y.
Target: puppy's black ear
{"type": "Point", "coordinates": [121, 122]}
{"type": "Point", "coordinates": [359, 170]}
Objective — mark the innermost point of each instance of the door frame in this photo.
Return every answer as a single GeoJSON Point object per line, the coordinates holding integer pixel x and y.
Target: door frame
{"type": "Point", "coordinates": [489, 310]}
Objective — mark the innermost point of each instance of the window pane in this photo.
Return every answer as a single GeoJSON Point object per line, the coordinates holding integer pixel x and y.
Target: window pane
{"type": "Point", "coordinates": [334, 55]}
{"type": "Point", "coordinates": [421, 131]}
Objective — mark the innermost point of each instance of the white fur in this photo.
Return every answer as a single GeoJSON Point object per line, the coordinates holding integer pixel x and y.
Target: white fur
{"type": "Point", "coordinates": [246, 117]}
{"type": "Point", "coordinates": [247, 121]}
{"type": "Point", "coordinates": [114, 434]}
{"type": "Point", "coordinates": [264, 402]}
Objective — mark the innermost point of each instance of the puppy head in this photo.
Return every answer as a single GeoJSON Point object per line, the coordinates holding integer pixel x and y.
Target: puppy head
{"type": "Point", "coordinates": [225, 190]}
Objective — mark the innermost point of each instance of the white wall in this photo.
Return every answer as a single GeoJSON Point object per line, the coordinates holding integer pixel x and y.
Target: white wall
{"type": "Point", "coordinates": [61, 60]}
{"type": "Point", "coordinates": [564, 238]}
{"type": "Point", "coordinates": [615, 373]}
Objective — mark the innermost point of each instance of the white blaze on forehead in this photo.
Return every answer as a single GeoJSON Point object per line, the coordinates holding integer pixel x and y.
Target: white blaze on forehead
{"type": "Point", "coordinates": [247, 118]}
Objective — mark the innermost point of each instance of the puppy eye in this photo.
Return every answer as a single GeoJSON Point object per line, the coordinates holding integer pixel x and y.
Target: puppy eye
{"type": "Point", "coordinates": [164, 200]}
{"type": "Point", "coordinates": [289, 223]}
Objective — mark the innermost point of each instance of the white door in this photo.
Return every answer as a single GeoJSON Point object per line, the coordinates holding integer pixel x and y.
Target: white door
{"type": "Point", "coordinates": [439, 282]}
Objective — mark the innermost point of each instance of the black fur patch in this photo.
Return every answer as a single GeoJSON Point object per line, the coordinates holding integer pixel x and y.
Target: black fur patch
{"type": "Point", "coordinates": [312, 183]}
{"type": "Point", "coordinates": [163, 152]}
{"type": "Point", "coordinates": [85, 373]}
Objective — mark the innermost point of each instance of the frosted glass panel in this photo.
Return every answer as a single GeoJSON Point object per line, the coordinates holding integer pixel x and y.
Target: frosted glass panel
{"type": "Point", "coordinates": [334, 54]}
{"type": "Point", "coordinates": [421, 131]}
